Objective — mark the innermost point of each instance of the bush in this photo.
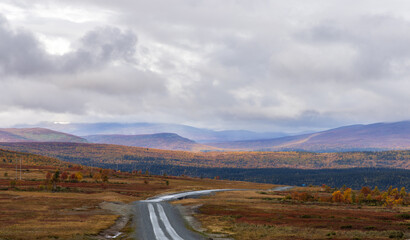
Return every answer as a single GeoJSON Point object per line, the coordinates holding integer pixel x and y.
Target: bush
{"type": "Point", "coordinates": [346, 227]}
{"type": "Point", "coordinates": [404, 216]}
{"type": "Point", "coordinates": [396, 234]}
{"type": "Point", "coordinates": [13, 183]}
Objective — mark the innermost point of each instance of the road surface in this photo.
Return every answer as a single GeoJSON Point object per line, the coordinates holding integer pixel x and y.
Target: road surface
{"type": "Point", "coordinates": [156, 219]}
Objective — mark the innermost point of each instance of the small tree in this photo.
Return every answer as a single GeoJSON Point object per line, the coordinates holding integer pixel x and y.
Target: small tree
{"type": "Point", "coordinates": [48, 177]}
{"type": "Point", "coordinates": [73, 177]}
{"type": "Point", "coordinates": [360, 198]}
{"type": "Point", "coordinates": [365, 190]}
{"type": "Point", "coordinates": [55, 180]}
{"type": "Point", "coordinates": [105, 172]}
{"type": "Point", "coordinates": [337, 196]}
{"type": "Point", "coordinates": [347, 195]}
{"type": "Point", "coordinates": [354, 197]}
{"type": "Point", "coordinates": [79, 176]}
{"type": "Point", "coordinates": [64, 176]}
{"type": "Point", "coordinates": [96, 176]}
{"type": "Point", "coordinates": [376, 191]}
{"type": "Point", "coordinates": [105, 178]}
{"type": "Point", "coordinates": [389, 191]}
{"type": "Point", "coordinates": [403, 192]}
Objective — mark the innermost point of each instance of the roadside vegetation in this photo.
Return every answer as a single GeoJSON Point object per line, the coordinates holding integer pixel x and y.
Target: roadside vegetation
{"type": "Point", "coordinates": [305, 213]}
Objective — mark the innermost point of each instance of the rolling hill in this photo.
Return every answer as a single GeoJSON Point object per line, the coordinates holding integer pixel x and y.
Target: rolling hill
{"type": "Point", "coordinates": [8, 157]}
{"type": "Point", "coordinates": [36, 135]}
{"type": "Point", "coordinates": [167, 141]}
{"type": "Point", "coordinates": [199, 135]}
{"type": "Point", "coordinates": [105, 155]}
{"type": "Point", "coordinates": [372, 137]}
{"type": "Point", "coordinates": [379, 136]}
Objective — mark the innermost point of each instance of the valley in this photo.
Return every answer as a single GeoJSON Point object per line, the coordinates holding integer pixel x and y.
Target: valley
{"type": "Point", "coordinates": [103, 187]}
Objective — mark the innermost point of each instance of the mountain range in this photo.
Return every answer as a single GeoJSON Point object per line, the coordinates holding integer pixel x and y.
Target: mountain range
{"type": "Point", "coordinates": [379, 136]}
{"type": "Point", "coordinates": [372, 137]}
{"type": "Point", "coordinates": [199, 135]}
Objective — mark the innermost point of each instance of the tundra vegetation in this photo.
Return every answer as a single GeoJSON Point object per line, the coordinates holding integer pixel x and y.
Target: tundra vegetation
{"type": "Point", "coordinates": [59, 200]}
{"type": "Point", "coordinates": [305, 213]}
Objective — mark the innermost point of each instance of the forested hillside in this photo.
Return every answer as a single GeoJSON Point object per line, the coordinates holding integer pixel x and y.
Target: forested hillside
{"type": "Point", "coordinates": [114, 154]}
{"type": "Point", "coordinates": [11, 157]}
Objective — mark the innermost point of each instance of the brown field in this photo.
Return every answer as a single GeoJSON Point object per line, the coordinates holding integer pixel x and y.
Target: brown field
{"type": "Point", "coordinates": [266, 215]}
{"type": "Point", "coordinates": [29, 211]}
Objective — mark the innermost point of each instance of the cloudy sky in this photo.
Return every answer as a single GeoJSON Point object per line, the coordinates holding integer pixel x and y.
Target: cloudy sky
{"type": "Point", "coordinates": [258, 65]}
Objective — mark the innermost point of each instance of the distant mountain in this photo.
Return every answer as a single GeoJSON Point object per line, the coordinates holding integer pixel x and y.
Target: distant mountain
{"type": "Point", "coordinates": [379, 136]}
{"type": "Point", "coordinates": [36, 135]}
{"type": "Point", "coordinates": [167, 141]}
{"type": "Point", "coordinates": [199, 135]}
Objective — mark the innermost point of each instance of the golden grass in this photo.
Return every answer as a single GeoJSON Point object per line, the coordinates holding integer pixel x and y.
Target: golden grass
{"type": "Point", "coordinates": [39, 215]}
{"type": "Point", "coordinates": [66, 228]}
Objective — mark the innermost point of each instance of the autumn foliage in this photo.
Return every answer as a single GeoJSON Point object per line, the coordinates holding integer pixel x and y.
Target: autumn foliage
{"type": "Point", "coordinates": [389, 198]}
{"type": "Point", "coordinates": [83, 153]}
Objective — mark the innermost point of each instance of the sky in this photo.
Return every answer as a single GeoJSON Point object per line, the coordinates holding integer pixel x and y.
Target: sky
{"type": "Point", "coordinates": [258, 65]}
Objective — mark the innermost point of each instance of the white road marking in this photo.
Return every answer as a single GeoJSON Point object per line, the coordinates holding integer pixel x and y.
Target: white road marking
{"type": "Point", "coordinates": [170, 229]}
{"type": "Point", "coordinates": [159, 234]}
{"type": "Point", "coordinates": [184, 194]}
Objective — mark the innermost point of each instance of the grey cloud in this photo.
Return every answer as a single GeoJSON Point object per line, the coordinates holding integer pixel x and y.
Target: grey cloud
{"type": "Point", "coordinates": [99, 47]}
{"type": "Point", "coordinates": [22, 54]}
{"type": "Point", "coordinates": [377, 46]}
{"type": "Point", "coordinates": [99, 76]}
{"type": "Point", "coordinates": [261, 65]}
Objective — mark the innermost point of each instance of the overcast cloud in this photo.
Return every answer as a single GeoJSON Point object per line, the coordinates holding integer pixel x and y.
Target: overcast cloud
{"type": "Point", "coordinates": [258, 65]}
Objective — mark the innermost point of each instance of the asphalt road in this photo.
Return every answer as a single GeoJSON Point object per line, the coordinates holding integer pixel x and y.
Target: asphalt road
{"type": "Point", "coordinates": [156, 219]}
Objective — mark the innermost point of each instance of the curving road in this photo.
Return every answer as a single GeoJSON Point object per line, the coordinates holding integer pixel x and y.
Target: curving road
{"type": "Point", "coordinates": [156, 219]}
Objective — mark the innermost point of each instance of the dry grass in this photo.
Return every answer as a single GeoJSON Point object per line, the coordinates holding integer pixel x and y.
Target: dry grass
{"type": "Point", "coordinates": [27, 212]}
{"type": "Point", "coordinates": [250, 215]}
{"type": "Point", "coordinates": [26, 215]}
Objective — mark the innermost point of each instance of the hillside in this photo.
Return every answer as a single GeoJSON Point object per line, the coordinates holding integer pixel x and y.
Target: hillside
{"type": "Point", "coordinates": [36, 135]}
{"type": "Point", "coordinates": [199, 135]}
{"type": "Point", "coordinates": [129, 157]}
{"type": "Point", "coordinates": [379, 136]}
{"type": "Point", "coordinates": [167, 141]}
{"type": "Point", "coordinates": [8, 157]}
